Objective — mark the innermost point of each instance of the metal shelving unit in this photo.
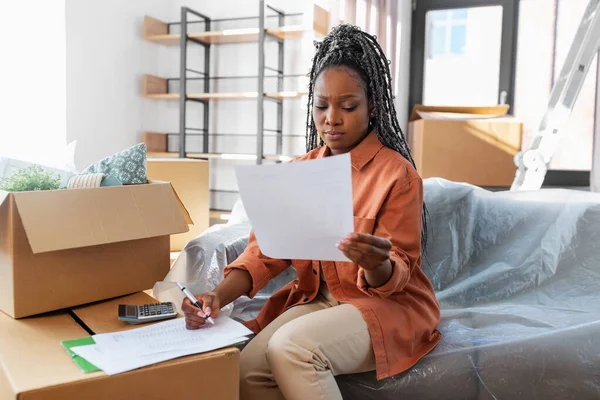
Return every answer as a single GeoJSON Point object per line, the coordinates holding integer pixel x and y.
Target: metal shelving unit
{"type": "Point", "coordinates": [158, 88]}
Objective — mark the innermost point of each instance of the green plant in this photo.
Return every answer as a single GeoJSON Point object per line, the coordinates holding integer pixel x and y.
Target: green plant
{"type": "Point", "coordinates": [29, 179]}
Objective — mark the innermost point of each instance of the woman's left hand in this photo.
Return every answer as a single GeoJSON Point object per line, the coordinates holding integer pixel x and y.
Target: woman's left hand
{"type": "Point", "coordinates": [367, 251]}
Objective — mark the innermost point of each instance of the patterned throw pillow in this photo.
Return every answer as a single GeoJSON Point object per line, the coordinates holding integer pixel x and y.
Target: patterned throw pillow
{"type": "Point", "coordinates": [128, 166]}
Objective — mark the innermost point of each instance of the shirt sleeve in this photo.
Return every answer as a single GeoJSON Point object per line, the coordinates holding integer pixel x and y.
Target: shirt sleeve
{"type": "Point", "coordinates": [399, 220]}
{"type": "Point", "coordinates": [260, 267]}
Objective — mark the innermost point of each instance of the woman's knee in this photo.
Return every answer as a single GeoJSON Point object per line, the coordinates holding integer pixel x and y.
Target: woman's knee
{"type": "Point", "coordinates": [285, 346]}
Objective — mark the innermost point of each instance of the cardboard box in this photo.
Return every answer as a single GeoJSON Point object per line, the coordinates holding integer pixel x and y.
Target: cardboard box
{"type": "Point", "coordinates": [476, 145]}
{"type": "Point", "coordinates": [35, 366]}
{"type": "Point", "coordinates": [101, 317]}
{"type": "Point", "coordinates": [68, 247]}
{"type": "Point", "coordinates": [190, 180]}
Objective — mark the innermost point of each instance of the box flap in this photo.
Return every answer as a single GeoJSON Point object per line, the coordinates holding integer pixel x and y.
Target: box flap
{"type": "Point", "coordinates": [492, 110]}
{"type": "Point", "coordinates": [31, 355]}
{"type": "Point", "coordinates": [67, 219]}
{"type": "Point", "coordinates": [3, 196]}
{"type": "Point", "coordinates": [185, 212]}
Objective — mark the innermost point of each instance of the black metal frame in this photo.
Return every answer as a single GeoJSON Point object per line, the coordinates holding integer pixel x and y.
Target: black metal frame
{"type": "Point", "coordinates": [260, 128]}
{"type": "Point", "coordinates": [508, 50]}
{"type": "Point", "coordinates": [205, 76]}
{"type": "Point", "coordinates": [183, 70]}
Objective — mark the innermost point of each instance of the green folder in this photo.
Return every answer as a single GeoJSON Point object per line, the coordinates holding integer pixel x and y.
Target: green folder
{"type": "Point", "coordinates": [83, 364]}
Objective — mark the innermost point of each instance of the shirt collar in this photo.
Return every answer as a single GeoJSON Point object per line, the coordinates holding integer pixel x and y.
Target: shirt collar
{"type": "Point", "coordinates": [362, 153]}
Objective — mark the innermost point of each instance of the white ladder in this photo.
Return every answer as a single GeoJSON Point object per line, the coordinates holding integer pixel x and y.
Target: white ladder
{"type": "Point", "coordinates": [532, 164]}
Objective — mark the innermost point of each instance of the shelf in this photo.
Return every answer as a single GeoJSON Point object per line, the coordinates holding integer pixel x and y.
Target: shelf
{"type": "Point", "coordinates": [204, 96]}
{"type": "Point", "coordinates": [158, 32]}
{"type": "Point", "coordinates": [229, 36]}
{"type": "Point", "coordinates": [249, 35]}
{"type": "Point", "coordinates": [221, 156]}
{"type": "Point", "coordinates": [313, 23]}
{"type": "Point", "coordinates": [155, 87]}
{"type": "Point", "coordinates": [227, 96]}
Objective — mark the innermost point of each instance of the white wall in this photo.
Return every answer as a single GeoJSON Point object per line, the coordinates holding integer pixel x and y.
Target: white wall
{"type": "Point", "coordinates": [33, 104]}
{"type": "Point", "coordinates": [106, 57]}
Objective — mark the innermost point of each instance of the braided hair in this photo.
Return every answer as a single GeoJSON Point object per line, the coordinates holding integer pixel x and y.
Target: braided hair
{"type": "Point", "coordinates": [348, 46]}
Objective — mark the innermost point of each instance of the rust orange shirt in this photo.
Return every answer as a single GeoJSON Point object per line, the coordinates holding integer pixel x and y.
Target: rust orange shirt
{"type": "Point", "coordinates": [403, 314]}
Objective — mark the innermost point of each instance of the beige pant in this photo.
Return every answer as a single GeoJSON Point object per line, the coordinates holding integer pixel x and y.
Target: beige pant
{"type": "Point", "coordinates": [298, 354]}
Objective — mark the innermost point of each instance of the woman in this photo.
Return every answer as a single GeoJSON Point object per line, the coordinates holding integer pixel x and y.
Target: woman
{"type": "Point", "coordinates": [378, 312]}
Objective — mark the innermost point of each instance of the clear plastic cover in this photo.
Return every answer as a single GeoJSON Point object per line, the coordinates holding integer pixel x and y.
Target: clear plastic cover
{"type": "Point", "coordinates": [517, 275]}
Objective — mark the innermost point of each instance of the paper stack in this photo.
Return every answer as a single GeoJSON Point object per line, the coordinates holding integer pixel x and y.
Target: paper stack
{"type": "Point", "coordinates": [124, 351]}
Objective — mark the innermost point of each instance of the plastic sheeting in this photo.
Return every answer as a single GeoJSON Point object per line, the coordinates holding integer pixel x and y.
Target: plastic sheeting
{"type": "Point", "coordinates": [517, 275]}
{"type": "Point", "coordinates": [201, 263]}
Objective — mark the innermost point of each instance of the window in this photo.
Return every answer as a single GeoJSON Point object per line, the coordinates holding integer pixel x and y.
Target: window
{"type": "Point", "coordinates": [464, 44]}
{"type": "Point", "coordinates": [448, 33]}
{"type": "Point", "coordinates": [546, 32]}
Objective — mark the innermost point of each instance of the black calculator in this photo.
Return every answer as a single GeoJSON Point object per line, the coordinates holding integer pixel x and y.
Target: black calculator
{"type": "Point", "coordinates": [147, 312]}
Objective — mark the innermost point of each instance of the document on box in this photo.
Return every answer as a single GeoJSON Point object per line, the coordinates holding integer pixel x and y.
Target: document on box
{"type": "Point", "coordinates": [122, 351]}
{"type": "Point", "coordinates": [104, 360]}
{"type": "Point", "coordinates": [168, 335]}
{"type": "Point", "coordinates": [299, 210]}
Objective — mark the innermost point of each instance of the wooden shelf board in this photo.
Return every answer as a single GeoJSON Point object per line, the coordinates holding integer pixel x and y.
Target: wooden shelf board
{"type": "Point", "coordinates": [247, 157]}
{"type": "Point", "coordinates": [292, 32]}
{"type": "Point", "coordinates": [226, 96]}
{"type": "Point", "coordinates": [245, 35]}
{"type": "Point", "coordinates": [285, 95]}
{"type": "Point", "coordinates": [162, 96]}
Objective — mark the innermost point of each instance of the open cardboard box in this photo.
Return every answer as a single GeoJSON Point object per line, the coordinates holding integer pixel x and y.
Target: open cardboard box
{"type": "Point", "coordinates": [63, 248]}
{"type": "Point", "coordinates": [476, 145]}
{"type": "Point", "coordinates": [34, 365]}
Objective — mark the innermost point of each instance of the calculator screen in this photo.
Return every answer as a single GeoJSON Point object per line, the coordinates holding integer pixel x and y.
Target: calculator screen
{"type": "Point", "coordinates": [131, 311]}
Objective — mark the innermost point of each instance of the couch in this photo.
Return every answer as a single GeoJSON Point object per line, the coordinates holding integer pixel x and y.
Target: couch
{"type": "Point", "coordinates": [517, 276]}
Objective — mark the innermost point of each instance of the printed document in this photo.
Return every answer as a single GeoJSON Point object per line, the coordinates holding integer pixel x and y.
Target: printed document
{"type": "Point", "coordinates": [299, 210]}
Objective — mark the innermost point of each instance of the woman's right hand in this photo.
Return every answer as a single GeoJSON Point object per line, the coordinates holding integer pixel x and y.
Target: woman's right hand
{"type": "Point", "coordinates": [195, 318]}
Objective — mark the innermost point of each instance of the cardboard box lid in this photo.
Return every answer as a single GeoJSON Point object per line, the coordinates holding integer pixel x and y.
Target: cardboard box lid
{"type": "Point", "coordinates": [31, 356]}
{"type": "Point", "coordinates": [492, 110]}
{"type": "Point", "coordinates": [67, 219]}
{"type": "Point", "coordinates": [32, 359]}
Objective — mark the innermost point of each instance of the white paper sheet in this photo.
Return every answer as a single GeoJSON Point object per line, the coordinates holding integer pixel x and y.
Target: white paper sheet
{"type": "Point", "coordinates": [299, 210]}
{"type": "Point", "coordinates": [167, 336]}
{"type": "Point", "coordinates": [123, 351]}
{"type": "Point", "coordinates": [103, 359]}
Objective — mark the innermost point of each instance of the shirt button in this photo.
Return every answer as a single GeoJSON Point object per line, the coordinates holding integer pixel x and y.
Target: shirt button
{"type": "Point", "coordinates": [305, 299]}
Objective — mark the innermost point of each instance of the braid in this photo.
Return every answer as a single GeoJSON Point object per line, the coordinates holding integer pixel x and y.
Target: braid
{"type": "Point", "coordinates": [347, 45]}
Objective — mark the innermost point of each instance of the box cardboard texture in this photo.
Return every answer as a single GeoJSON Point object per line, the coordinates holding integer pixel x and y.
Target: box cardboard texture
{"type": "Point", "coordinates": [101, 317]}
{"type": "Point", "coordinates": [190, 180]}
{"type": "Point", "coordinates": [68, 247]}
{"type": "Point", "coordinates": [479, 151]}
{"type": "Point", "coordinates": [35, 366]}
